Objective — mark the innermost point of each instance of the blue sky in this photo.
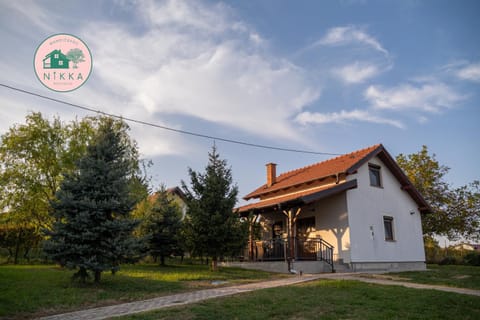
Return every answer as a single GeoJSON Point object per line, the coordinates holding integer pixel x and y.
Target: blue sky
{"type": "Point", "coordinates": [328, 76]}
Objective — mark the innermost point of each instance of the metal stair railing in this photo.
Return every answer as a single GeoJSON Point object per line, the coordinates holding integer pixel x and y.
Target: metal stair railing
{"type": "Point", "coordinates": [314, 249]}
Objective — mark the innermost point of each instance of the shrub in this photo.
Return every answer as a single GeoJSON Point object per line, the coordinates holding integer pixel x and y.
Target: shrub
{"type": "Point", "coordinates": [448, 260]}
{"type": "Point", "coordinates": [472, 259]}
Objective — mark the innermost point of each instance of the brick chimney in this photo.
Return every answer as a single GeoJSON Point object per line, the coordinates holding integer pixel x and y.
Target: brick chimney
{"type": "Point", "coordinates": [271, 174]}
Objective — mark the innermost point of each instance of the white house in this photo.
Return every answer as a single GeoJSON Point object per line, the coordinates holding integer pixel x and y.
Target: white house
{"type": "Point", "coordinates": [355, 212]}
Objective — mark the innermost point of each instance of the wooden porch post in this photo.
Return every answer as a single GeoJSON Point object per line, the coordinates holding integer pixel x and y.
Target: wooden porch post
{"type": "Point", "coordinates": [251, 248]}
{"type": "Point", "coordinates": [291, 221]}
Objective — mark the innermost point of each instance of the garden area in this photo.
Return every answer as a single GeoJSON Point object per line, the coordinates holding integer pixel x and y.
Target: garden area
{"type": "Point", "coordinates": [31, 291]}
{"type": "Point", "coordinates": [69, 241]}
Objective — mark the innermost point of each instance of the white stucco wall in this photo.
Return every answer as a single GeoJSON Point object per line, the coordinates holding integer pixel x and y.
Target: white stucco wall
{"type": "Point", "coordinates": [366, 207]}
{"type": "Point", "coordinates": [331, 219]}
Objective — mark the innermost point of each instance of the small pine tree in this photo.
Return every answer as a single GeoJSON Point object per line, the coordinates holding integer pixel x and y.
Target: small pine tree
{"type": "Point", "coordinates": [214, 229]}
{"type": "Point", "coordinates": [162, 226]}
{"type": "Point", "coordinates": [93, 229]}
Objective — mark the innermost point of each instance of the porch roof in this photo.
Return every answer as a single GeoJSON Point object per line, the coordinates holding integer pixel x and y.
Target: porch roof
{"type": "Point", "coordinates": [298, 198]}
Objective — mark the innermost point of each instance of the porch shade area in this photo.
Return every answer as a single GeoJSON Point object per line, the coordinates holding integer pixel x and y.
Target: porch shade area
{"type": "Point", "coordinates": [296, 199]}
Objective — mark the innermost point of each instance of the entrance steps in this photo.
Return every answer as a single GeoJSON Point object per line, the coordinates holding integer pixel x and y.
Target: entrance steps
{"type": "Point", "coordinates": [341, 267]}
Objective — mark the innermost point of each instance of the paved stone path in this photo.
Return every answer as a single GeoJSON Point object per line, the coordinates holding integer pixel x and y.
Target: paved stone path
{"type": "Point", "coordinates": [176, 300]}
{"type": "Point", "coordinates": [196, 296]}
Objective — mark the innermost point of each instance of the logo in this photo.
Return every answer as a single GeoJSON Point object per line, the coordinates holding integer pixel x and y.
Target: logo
{"type": "Point", "coordinates": [62, 62]}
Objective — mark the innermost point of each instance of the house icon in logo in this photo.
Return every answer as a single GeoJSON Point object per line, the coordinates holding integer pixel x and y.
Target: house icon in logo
{"type": "Point", "coordinates": [56, 60]}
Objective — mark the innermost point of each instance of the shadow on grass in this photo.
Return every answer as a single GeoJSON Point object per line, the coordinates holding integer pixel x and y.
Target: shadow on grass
{"type": "Point", "coordinates": [46, 289]}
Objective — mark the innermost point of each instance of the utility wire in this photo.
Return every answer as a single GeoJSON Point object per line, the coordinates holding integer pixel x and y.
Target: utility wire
{"type": "Point", "coordinates": [74, 105]}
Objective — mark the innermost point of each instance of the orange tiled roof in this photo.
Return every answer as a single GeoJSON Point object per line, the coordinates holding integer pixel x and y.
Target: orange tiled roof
{"type": "Point", "coordinates": [284, 198]}
{"type": "Point", "coordinates": [340, 164]}
{"type": "Point", "coordinates": [296, 196]}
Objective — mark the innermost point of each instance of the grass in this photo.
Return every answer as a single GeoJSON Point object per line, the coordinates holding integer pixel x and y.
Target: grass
{"type": "Point", "coordinates": [453, 276]}
{"type": "Point", "coordinates": [329, 299]}
{"type": "Point", "coordinates": [35, 290]}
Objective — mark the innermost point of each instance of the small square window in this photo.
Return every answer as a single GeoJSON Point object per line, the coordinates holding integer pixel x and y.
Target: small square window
{"type": "Point", "coordinates": [55, 55]}
{"type": "Point", "coordinates": [60, 63]}
{"type": "Point", "coordinates": [374, 173]}
{"type": "Point", "coordinates": [388, 226]}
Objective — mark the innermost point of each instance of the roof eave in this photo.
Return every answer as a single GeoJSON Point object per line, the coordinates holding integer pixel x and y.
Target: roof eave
{"type": "Point", "coordinates": [257, 193]}
{"type": "Point", "coordinates": [302, 200]}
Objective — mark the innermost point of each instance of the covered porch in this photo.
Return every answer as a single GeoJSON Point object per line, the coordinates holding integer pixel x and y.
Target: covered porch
{"type": "Point", "coordinates": [295, 228]}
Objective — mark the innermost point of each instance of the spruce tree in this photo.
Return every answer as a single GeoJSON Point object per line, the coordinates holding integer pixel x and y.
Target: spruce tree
{"type": "Point", "coordinates": [162, 225]}
{"type": "Point", "coordinates": [214, 229]}
{"type": "Point", "coordinates": [93, 229]}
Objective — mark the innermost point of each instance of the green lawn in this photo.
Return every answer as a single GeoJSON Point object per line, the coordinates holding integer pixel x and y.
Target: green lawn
{"type": "Point", "coordinates": [453, 276]}
{"type": "Point", "coordinates": [35, 290]}
{"type": "Point", "coordinates": [329, 299]}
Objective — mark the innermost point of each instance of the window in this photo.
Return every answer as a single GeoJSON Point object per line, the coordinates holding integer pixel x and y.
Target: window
{"type": "Point", "coordinates": [277, 229]}
{"type": "Point", "coordinates": [55, 56]}
{"type": "Point", "coordinates": [60, 63]}
{"type": "Point", "coordinates": [374, 172]}
{"type": "Point", "coordinates": [388, 226]}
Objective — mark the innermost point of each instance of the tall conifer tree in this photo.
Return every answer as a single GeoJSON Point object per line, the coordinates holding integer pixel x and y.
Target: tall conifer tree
{"type": "Point", "coordinates": [214, 228]}
{"type": "Point", "coordinates": [93, 231]}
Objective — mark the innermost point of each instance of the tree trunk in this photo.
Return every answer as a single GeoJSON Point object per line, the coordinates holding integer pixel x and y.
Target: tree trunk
{"type": "Point", "coordinates": [162, 260]}
{"type": "Point", "coordinates": [214, 266]}
{"type": "Point", "coordinates": [25, 255]}
{"type": "Point", "coordinates": [81, 274]}
{"type": "Point", "coordinates": [17, 247]}
{"type": "Point", "coordinates": [10, 255]}
{"type": "Point", "coordinates": [98, 276]}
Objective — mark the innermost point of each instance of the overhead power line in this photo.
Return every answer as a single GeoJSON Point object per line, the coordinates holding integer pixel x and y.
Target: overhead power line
{"type": "Point", "coordinates": [196, 134]}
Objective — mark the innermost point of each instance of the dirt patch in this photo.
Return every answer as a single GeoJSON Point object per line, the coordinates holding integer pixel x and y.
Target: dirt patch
{"type": "Point", "coordinates": [461, 276]}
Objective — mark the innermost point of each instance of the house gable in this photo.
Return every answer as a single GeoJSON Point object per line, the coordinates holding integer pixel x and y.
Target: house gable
{"type": "Point", "coordinates": [385, 221]}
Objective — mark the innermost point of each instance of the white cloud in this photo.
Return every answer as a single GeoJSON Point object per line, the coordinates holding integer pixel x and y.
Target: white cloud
{"type": "Point", "coordinates": [30, 11]}
{"type": "Point", "coordinates": [343, 117]}
{"type": "Point", "coordinates": [198, 61]}
{"type": "Point", "coordinates": [470, 72]}
{"type": "Point", "coordinates": [348, 35]}
{"type": "Point", "coordinates": [185, 14]}
{"type": "Point", "coordinates": [356, 72]}
{"type": "Point", "coordinates": [429, 97]}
